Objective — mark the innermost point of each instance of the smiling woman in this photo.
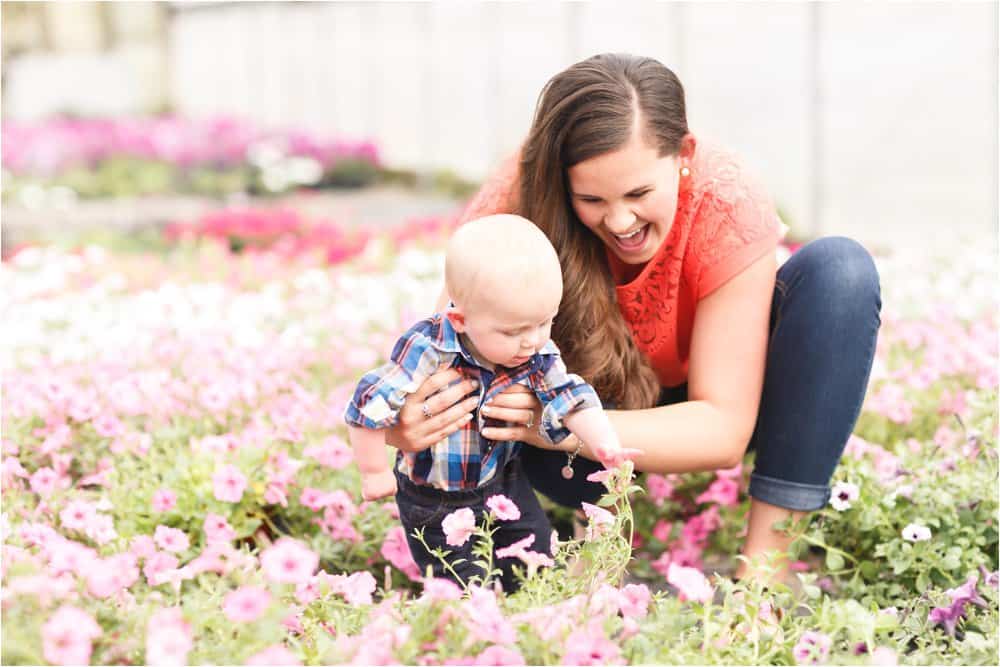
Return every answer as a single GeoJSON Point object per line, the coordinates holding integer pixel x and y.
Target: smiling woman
{"type": "Point", "coordinates": [673, 307]}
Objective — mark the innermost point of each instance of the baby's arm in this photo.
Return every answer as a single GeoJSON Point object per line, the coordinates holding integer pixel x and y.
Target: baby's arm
{"type": "Point", "coordinates": [377, 478]}
{"type": "Point", "coordinates": [593, 427]}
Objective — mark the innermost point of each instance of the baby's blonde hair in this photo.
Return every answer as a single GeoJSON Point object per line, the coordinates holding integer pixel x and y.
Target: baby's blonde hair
{"type": "Point", "coordinates": [498, 252]}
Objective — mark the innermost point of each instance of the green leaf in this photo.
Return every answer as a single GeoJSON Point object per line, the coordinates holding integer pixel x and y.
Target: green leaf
{"type": "Point", "coordinates": [834, 561]}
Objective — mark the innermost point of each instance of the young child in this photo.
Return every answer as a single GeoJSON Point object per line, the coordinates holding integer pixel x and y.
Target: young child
{"type": "Point", "coordinates": [505, 283]}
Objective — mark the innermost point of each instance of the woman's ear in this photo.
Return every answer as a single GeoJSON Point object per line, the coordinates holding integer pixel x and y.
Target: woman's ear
{"type": "Point", "coordinates": [688, 144]}
{"type": "Point", "coordinates": [456, 317]}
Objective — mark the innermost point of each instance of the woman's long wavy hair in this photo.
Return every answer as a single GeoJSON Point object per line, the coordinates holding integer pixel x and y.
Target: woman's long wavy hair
{"type": "Point", "coordinates": [585, 111]}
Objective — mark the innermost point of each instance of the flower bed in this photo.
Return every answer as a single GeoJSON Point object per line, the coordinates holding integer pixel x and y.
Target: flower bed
{"type": "Point", "coordinates": [65, 158]}
{"type": "Point", "coordinates": [177, 486]}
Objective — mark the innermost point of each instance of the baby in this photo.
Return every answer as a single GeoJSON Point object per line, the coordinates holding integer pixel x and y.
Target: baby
{"type": "Point", "coordinates": [505, 283]}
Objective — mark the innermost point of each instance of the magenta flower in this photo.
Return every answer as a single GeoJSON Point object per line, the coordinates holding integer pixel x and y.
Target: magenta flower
{"type": "Point", "coordinates": [661, 530]}
{"type": "Point", "coordinates": [725, 491]}
{"type": "Point", "coordinates": [67, 636]}
{"type": "Point", "coordinates": [164, 500]}
{"type": "Point", "coordinates": [246, 604]}
{"type": "Point", "coordinates": [273, 655]}
{"type": "Point", "coordinates": [503, 508]}
{"type": "Point", "coordinates": [659, 488]}
{"type": "Point", "coordinates": [289, 561]}
{"type": "Point", "coordinates": [813, 648]}
{"type": "Point", "coordinates": [499, 655]}
{"type": "Point", "coordinates": [228, 484]}
{"type": "Point", "coordinates": [171, 539]}
{"type": "Point", "coordinates": [459, 526]}
{"type": "Point", "coordinates": [691, 584]}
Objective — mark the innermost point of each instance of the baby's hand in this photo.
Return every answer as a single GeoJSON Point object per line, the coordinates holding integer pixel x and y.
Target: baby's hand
{"type": "Point", "coordinates": [375, 485]}
{"type": "Point", "coordinates": [612, 455]}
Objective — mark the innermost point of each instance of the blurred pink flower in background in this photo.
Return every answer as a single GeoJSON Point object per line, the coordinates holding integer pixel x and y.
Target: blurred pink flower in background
{"type": "Point", "coordinates": [228, 484]}
{"type": "Point", "coordinates": [68, 635]}
{"type": "Point", "coordinates": [246, 604]}
{"type": "Point", "coordinates": [289, 561]}
{"type": "Point", "coordinates": [164, 500]}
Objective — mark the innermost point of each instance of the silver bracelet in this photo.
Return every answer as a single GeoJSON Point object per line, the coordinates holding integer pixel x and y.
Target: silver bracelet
{"type": "Point", "coordinates": [567, 470]}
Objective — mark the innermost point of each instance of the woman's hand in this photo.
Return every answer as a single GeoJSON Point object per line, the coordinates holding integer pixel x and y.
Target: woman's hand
{"type": "Point", "coordinates": [518, 406]}
{"type": "Point", "coordinates": [433, 412]}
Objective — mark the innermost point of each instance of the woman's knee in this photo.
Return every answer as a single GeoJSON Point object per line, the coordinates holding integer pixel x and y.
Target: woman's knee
{"type": "Point", "coordinates": [841, 271]}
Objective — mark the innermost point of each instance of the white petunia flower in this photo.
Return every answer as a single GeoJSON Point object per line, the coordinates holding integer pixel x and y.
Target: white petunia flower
{"type": "Point", "coordinates": [915, 532]}
{"type": "Point", "coordinates": [843, 494]}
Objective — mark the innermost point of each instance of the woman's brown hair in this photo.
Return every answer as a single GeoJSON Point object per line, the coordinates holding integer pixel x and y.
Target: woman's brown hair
{"type": "Point", "coordinates": [587, 110]}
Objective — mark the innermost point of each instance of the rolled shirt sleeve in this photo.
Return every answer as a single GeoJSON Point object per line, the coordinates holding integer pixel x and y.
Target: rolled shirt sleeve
{"type": "Point", "coordinates": [381, 392]}
{"type": "Point", "coordinates": [560, 393]}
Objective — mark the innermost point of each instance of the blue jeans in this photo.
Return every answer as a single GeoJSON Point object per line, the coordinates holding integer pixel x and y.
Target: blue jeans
{"type": "Point", "coordinates": [824, 322]}
{"type": "Point", "coordinates": [426, 506]}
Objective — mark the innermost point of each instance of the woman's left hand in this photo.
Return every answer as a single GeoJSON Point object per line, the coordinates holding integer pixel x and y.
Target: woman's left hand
{"type": "Point", "coordinates": [520, 408]}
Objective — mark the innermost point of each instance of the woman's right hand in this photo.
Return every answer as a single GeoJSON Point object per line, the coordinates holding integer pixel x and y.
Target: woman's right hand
{"type": "Point", "coordinates": [447, 409]}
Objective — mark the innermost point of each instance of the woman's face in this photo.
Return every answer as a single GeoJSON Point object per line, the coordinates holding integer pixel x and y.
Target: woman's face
{"type": "Point", "coordinates": [628, 198]}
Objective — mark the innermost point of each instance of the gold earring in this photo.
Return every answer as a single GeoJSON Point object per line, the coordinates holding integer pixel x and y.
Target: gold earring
{"type": "Point", "coordinates": [685, 171]}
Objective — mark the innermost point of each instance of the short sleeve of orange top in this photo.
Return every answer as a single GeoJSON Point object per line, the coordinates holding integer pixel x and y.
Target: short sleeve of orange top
{"type": "Point", "coordinates": [724, 222]}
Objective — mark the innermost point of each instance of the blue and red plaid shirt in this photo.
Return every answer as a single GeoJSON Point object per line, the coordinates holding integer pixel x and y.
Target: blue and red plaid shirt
{"type": "Point", "coordinates": [465, 459]}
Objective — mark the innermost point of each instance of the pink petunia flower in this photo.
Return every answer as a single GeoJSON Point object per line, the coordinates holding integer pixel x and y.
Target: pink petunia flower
{"type": "Point", "coordinates": [659, 488]}
{"type": "Point", "coordinates": [441, 590]}
{"type": "Point", "coordinates": [171, 539]}
{"type": "Point", "coordinates": [77, 515]}
{"type": "Point", "coordinates": [635, 600]}
{"type": "Point", "coordinates": [499, 655]}
{"type": "Point", "coordinates": [517, 548]}
{"type": "Point", "coordinates": [813, 648]}
{"type": "Point", "coordinates": [661, 530]}
{"type": "Point", "coordinates": [142, 546]}
{"type": "Point", "coordinates": [228, 484]}
{"type": "Point", "coordinates": [601, 520]}
{"type": "Point", "coordinates": [503, 508]}
{"type": "Point", "coordinates": [396, 550]}
{"type": "Point", "coordinates": [725, 491]}
{"type": "Point", "coordinates": [273, 655]}
{"type": "Point", "coordinates": [332, 453]}
{"type": "Point", "coordinates": [168, 638]}
{"type": "Point", "coordinates": [217, 529]}
{"type": "Point", "coordinates": [44, 481]}
{"type": "Point", "coordinates": [289, 561]}
{"type": "Point", "coordinates": [246, 604]}
{"type": "Point", "coordinates": [691, 583]}
{"type": "Point", "coordinates": [459, 526]}
{"type": "Point", "coordinates": [68, 635]}
{"type": "Point", "coordinates": [164, 500]}
{"type": "Point", "coordinates": [589, 646]}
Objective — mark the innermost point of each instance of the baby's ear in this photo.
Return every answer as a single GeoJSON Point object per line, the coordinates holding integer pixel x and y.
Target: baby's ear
{"type": "Point", "coordinates": [456, 317]}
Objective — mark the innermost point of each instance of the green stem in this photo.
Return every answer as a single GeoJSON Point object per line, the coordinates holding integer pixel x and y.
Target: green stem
{"type": "Point", "coordinates": [824, 545]}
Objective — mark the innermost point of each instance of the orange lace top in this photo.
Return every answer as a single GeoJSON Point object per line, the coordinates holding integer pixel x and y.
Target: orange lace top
{"type": "Point", "coordinates": [724, 222]}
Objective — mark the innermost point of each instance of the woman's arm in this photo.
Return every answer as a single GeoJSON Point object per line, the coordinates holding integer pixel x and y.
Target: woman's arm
{"type": "Point", "coordinates": [712, 429]}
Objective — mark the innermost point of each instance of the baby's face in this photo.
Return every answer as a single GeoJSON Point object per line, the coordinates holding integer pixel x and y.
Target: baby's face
{"type": "Point", "coordinates": [508, 330]}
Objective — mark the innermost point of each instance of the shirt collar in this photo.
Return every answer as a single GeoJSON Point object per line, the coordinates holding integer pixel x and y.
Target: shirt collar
{"type": "Point", "coordinates": [448, 340]}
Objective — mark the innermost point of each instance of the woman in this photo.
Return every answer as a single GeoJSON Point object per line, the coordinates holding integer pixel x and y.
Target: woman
{"type": "Point", "coordinates": [673, 306]}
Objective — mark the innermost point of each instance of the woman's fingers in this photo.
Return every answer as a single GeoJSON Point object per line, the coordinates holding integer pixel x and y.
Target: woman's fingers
{"type": "Point", "coordinates": [436, 383]}
{"type": "Point", "coordinates": [517, 415]}
{"type": "Point", "coordinates": [451, 419]}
